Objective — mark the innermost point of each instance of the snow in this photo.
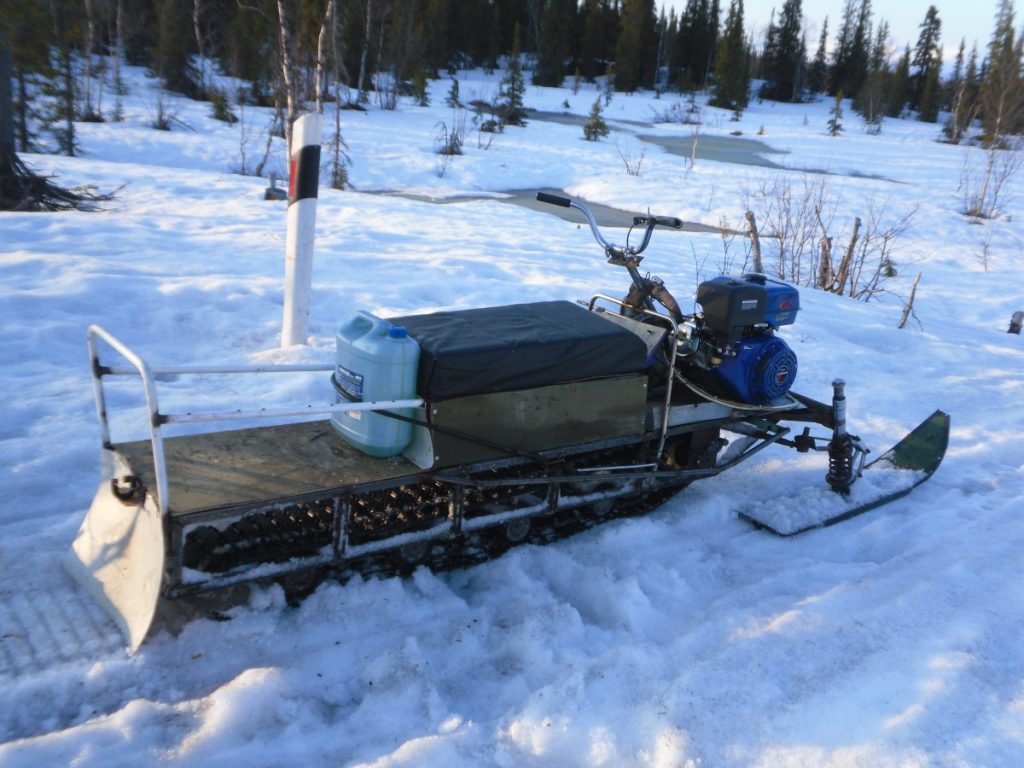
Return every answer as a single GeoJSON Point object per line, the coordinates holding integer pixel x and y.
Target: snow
{"type": "Point", "coordinates": [683, 638]}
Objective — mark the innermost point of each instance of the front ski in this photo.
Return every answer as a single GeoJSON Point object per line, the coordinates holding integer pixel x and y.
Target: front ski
{"type": "Point", "coordinates": [891, 476]}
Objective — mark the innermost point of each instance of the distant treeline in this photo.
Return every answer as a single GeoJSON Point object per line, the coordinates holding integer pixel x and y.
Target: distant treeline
{"type": "Point", "coordinates": [290, 51]}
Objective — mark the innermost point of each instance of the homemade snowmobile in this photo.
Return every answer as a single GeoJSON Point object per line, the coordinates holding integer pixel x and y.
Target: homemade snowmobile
{"type": "Point", "coordinates": [526, 423]}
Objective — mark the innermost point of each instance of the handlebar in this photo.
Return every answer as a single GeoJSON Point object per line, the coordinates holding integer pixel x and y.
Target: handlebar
{"type": "Point", "coordinates": [660, 221]}
{"type": "Point", "coordinates": [544, 197]}
{"type": "Point", "coordinates": [647, 289]}
{"type": "Point", "coordinates": [627, 253]}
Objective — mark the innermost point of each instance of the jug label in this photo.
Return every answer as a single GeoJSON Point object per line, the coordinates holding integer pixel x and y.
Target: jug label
{"type": "Point", "coordinates": [350, 383]}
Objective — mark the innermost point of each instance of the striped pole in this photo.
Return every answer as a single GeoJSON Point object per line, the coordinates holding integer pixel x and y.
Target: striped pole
{"type": "Point", "coordinates": [303, 179]}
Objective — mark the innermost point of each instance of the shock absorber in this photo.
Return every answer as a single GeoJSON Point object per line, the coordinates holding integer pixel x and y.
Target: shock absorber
{"type": "Point", "coordinates": [843, 447]}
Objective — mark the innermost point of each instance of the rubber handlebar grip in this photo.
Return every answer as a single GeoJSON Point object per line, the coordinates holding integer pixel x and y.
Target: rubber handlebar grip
{"type": "Point", "coordinates": [661, 221]}
{"type": "Point", "coordinates": [544, 197]}
{"type": "Point", "coordinates": [668, 221]}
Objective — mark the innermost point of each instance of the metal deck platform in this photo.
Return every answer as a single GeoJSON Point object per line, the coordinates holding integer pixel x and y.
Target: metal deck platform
{"type": "Point", "coordinates": [220, 469]}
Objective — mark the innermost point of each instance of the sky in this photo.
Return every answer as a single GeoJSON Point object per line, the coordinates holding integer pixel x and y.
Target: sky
{"type": "Point", "coordinates": [960, 19]}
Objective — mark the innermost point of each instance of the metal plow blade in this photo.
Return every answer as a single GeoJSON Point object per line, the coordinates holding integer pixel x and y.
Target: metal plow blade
{"type": "Point", "coordinates": [891, 476]}
{"type": "Point", "coordinates": [118, 556]}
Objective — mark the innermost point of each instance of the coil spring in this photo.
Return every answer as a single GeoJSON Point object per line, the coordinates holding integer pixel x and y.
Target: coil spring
{"type": "Point", "coordinates": [840, 465]}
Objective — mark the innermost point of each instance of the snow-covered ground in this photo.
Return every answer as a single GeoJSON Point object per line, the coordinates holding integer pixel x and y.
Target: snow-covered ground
{"type": "Point", "coordinates": [685, 638]}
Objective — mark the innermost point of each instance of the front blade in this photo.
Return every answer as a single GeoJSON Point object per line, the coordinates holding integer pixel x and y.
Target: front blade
{"type": "Point", "coordinates": [891, 476]}
{"type": "Point", "coordinates": [118, 556]}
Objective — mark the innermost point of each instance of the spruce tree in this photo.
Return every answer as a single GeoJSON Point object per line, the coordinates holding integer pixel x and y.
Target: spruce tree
{"type": "Point", "coordinates": [592, 39]}
{"type": "Point", "coordinates": [929, 102]}
{"type": "Point", "coordinates": [817, 75]}
{"type": "Point", "coordinates": [696, 42]}
{"type": "Point", "coordinates": [870, 100]}
{"type": "Point", "coordinates": [963, 106]}
{"type": "Point", "coordinates": [784, 56]}
{"type": "Point", "coordinates": [841, 54]}
{"type": "Point", "coordinates": [859, 49]}
{"type": "Point", "coordinates": [850, 57]}
{"type": "Point", "coordinates": [512, 90]}
{"type": "Point", "coordinates": [1002, 89]}
{"type": "Point", "coordinates": [898, 88]}
{"type": "Point", "coordinates": [927, 55]}
{"type": "Point", "coordinates": [20, 188]}
{"type": "Point", "coordinates": [835, 124]}
{"type": "Point", "coordinates": [595, 127]}
{"type": "Point", "coordinates": [174, 48]}
{"type": "Point", "coordinates": [633, 69]}
{"type": "Point", "coordinates": [732, 73]}
{"type": "Point", "coordinates": [552, 48]}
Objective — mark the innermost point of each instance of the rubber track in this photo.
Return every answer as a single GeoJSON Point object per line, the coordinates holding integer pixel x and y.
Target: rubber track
{"type": "Point", "coordinates": [303, 530]}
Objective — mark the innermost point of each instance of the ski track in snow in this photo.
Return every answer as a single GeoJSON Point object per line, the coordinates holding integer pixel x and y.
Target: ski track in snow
{"type": "Point", "coordinates": [684, 638]}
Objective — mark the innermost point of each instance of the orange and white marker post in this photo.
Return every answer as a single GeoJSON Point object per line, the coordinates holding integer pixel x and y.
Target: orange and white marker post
{"type": "Point", "coordinates": [303, 183]}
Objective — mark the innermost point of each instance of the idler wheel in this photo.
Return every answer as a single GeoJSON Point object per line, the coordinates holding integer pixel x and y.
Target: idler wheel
{"type": "Point", "coordinates": [517, 530]}
{"type": "Point", "coordinates": [415, 552]}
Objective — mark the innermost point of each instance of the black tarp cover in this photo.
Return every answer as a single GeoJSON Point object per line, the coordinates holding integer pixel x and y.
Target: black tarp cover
{"type": "Point", "coordinates": [497, 349]}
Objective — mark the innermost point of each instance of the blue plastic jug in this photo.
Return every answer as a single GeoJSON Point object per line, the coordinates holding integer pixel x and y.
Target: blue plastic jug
{"type": "Point", "coordinates": [375, 361]}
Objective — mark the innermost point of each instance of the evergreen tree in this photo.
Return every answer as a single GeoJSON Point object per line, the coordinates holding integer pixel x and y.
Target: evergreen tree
{"type": "Point", "coordinates": [835, 125]}
{"type": "Point", "coordinates": [898, 90]}
{"type": "Point", "coordinates": [963, 104]}
{"type": "Point", "coordinates": [784, 56]}
{"type": "Point", "coordinates": [452, 99]}
{"type": "Point", "coordinates": [931, 96]}
{"type": "Point", "coordinates": [842, 51]}
{"type": "Point", "coordinates": [732, 70]}
{"type": "Point", "coordinates": [512, 90]}
{"type": "Point", "coordinates": [955, 82]}
{"type": "Point", "coordinates": [870, 100]}
{"type": "Point", "coordinates": [927, 58]}
{"type": "Point", "coordinates": [29, 60]}
{"type": "Point", "coordinates": [696, 42]}
{"type": "Point", "coordinates": [850, 57]}
{"type": "Point", "coordinates": [1002, 89]}
{"type": "Point", "coordinates": [633, 69]}
{"type": "Point", "coordinates": [859, 53]}
{"type": "Point", "coordinates": [553, 46]}
{"type": "Point", "coordinates": [20, 188]}
{"type": "Point", "coordinates": [817, 75]}
{"type": "Point", "coordinates": [60, 117]}
{"type": "Point", "coordinates": [595, 127]}
{"type": "Point", "coordinates": [174, 48]}
{"type": "Point", "coordinates": [593, 51]}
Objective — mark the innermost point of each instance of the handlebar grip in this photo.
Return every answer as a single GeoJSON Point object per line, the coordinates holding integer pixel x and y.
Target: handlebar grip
{"type": "Point", "coordinates": [668, 221]}
{"type": "Point", "coordinates": [544, 197]}
{"type": "Point", "coordinates": [661, 221]}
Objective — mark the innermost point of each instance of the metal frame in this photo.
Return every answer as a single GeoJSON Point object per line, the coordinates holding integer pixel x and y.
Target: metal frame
{"type": "Point", "coordinates": [158, 420]}
{"type": "Point", "coordinates": [673, 328]}
{"type": "Point", "coordinates": [631, 479]}
{"type": "Point", "coordinates": [453, 525]}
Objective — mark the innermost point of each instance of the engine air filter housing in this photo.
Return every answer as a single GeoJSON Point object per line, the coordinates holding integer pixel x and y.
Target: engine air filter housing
{"type": "Point", "coordinates": [732, 303]}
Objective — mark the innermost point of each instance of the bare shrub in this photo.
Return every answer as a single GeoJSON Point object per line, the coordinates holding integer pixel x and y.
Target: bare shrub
{"type": "Point", "coordinates": [631, 153]}
{"type": "Point", "coordinates": [449, 141]}
{"type": "Point", "coordinates": [795, 228]}
{"type": "Point", "coordinates": [678, 113]}
{"type": "Point", "coordinates": [790, 217]}
{"type": "Point", "coordinates": [869, 261]}
{"type": "Point", "coordinates": [985, 190]}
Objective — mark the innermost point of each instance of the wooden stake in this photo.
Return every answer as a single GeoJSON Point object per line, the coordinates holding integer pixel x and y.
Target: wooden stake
{"type": "Point", "coordinates": [909, 307]}
{"type": "Point", "coordinates": [844, 265]}
{"type": "Point", "coordinates": [755, 242]}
